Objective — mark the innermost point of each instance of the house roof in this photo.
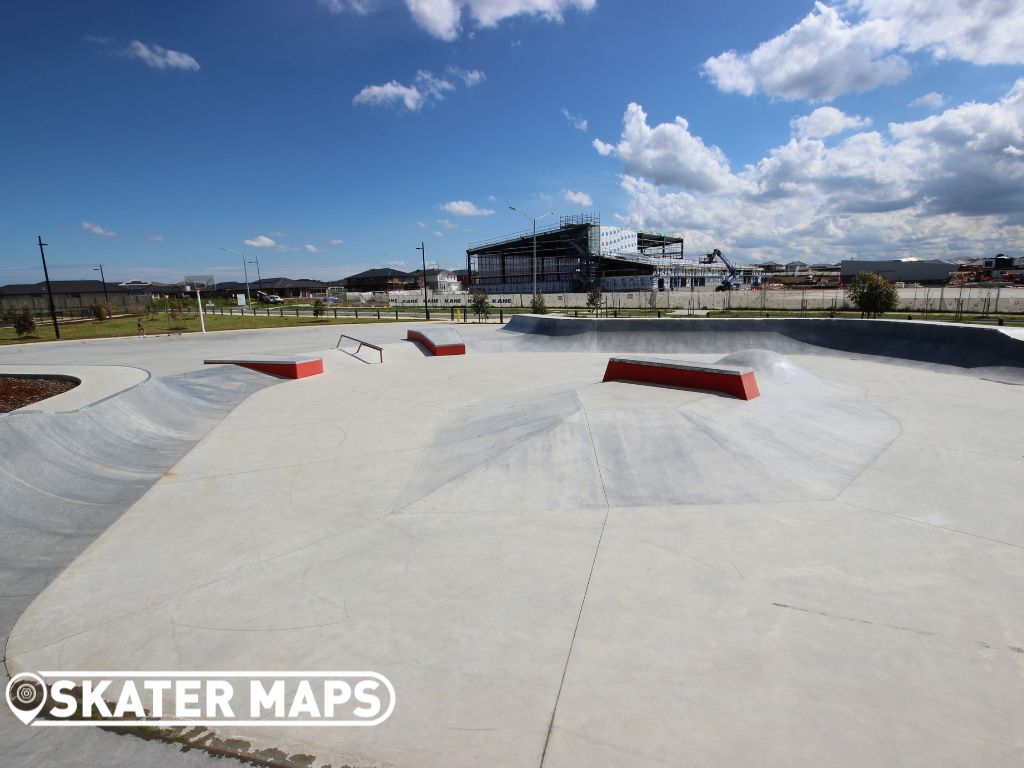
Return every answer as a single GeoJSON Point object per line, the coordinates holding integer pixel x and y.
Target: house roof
{"type": "Point", "coordinates": [61, 286]}
{"type": "Point", "coordinates": [380, 272]}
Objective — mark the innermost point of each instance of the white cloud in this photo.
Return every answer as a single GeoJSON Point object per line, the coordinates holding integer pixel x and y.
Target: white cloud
{"type": "Point", "coordinates": [397, 264]}
{"type": "Point", "coordinates": [96, 229]}
{"type": "Point", "coordinates": [446, 223]}
{"type": "Point", "coordinates": [438, 233]}
{"type": "Point", "coordinates": [361, 7]}
{"type": "Point", "coordinates": [469, 77]}
{"type": "Point", "coordinates": [155, 238]}
{"type": "Point", "coordinates": [818, 59]}
{"type": "Point", "coordinates": [261, 241]}
{"type": "Point", "coordinates": [951, 184]}
{"type": "Point", "coordinates": [577, 198]}
{"type": "Point", "coordinates": [977, 31]}
{"type": "Point", "coordinates": [421, 225]}
{"type": "Point", "coordinates": [931, 100]}
{"type": "Point", "coordinates": [826, 54]}
{"type": "Point", "coordinates": [425, 89]}
{"type": "Point", "coordinates": [443, 18]}
{"type": "Point", "coordinates": [337, 241]}
{"type": "Point", "coordinates": [667, 154]}
{"type": "Point", "coordinates": [465, 208]}
{"type": "Point", "coordinates": [576, 121]}
{"type": "Point", "coordinates": [492, 199]}
{"type": "Point", "coordinates": [311, 248]}
{"type": "Point", "coordinates": [826, 121]}
{"type": "Point", "coordinates": [161, 58]}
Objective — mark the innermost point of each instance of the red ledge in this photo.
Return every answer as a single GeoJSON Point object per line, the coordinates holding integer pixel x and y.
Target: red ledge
{"type": "Point", "coordinates": [436, 349]}
{"type": "Point", "coordinates": [739, 382]}
{"type": "Point", "coordinates": [299, 368]}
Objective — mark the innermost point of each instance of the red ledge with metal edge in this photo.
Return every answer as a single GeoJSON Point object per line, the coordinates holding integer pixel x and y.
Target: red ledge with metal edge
{"type": "Point", "coordinates": [440, 341]}
{"type": "Point", "coordinates": [728, 379]}
{"type": "Point", "coordinates": [282, 367]}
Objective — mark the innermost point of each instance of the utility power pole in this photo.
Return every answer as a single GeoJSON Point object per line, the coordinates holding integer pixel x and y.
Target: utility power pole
{"type": "Point", "coordinates": [423, 252]}
{"type": "Point", "coordinates": [49, 290]}
{"type": "Point", "coordinates": [534, 219]}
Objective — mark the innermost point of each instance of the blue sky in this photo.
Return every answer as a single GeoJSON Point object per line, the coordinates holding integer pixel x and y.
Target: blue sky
{"type": "Point", "coordinates": [147, 136]}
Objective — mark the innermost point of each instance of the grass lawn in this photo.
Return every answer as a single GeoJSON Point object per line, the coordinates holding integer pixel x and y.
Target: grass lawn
{"type": "Point", "coordinates": [125, 326]}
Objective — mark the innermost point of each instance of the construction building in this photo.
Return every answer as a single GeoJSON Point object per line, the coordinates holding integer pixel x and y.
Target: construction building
{"type": "Point", "coordinates": [580, 254]}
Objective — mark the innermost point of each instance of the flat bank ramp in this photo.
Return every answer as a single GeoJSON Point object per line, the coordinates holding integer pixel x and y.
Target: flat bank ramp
{"type": "Point", "coordinates": [941, 344]}
{"type": "Point", "coordinates": [65, 477]}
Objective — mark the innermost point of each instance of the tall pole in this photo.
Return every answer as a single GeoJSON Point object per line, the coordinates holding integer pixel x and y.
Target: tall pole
{"type": "Point", "coordinates": [259, 277]}
{"type": "Point", "coordinates": [49, 290]}
{"type": "Point", "coordinates": [245, 269]}
{"type": "Point", "coordinates": [423, 252]}
{"type": "Point", "coordinates": [104, 280]}
{"type": "Point", "coordinates": [533, 219]}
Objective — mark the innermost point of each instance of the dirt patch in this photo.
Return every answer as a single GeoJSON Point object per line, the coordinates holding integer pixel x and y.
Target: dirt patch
{"type": "Point", "coordinates": [19, 391]}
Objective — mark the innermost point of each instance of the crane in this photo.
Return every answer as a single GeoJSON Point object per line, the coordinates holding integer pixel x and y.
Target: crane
{"type": "Point", "coordinates": [732, 282]}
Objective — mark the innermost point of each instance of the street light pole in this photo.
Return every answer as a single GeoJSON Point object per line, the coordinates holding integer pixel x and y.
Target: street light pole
{"type": "Point", "coordinates": [104, 279]}
{"type": "Point", "coordinates": [534, 219]}
{"type": "Point", "coordinates": [49, 290]}
{"type": "Point", "coordinates": [423, 252]}
{"type": "Point", "coordinates": [245, 270]}
{"type": "Point", "coordinates": [259, 277]}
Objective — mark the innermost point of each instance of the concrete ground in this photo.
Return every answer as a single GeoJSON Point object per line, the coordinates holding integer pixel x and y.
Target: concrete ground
{"type": "Point", "coordinates": [555, 571]}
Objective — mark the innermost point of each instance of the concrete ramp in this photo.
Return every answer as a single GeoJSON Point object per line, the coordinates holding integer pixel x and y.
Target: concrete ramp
{"type": "Point", "coordinates": [983, 349]}
{"type": "Point", "coordinates": [65, 477]}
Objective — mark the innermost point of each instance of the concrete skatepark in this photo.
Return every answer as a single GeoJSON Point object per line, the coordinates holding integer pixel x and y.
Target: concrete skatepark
{"type": "Point", "coordinates": [551, 570]}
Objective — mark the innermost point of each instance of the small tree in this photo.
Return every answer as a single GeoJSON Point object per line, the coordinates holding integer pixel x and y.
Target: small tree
{"type": "Point", "coordinates": [479, 303]}
{"type": "Point", "coordinates": [318, 307]}
{"type": "Point", "coordinates": [24, 323]}
{"type": "Point", "coordinates": [537, 305]}
{"type": "Point", "coordinates": [594, 299]}
{"type": "Point", "coordinates": [872, 295]}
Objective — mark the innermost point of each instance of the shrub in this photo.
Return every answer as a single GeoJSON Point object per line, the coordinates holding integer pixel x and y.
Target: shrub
{"type": "Point", "coordinates": [594, 299]}
{"type": "Point", "coordinates": [479, 303]}
{"type": "Point", "coordinates": [103, 311]}
{"type": "Point", "coordinates": [872, 295]}
{"type": "Point", "coordinates": [24, 323]}
{"type": "Point", "coordinates": [537, 305]}
{"type": "Point", "coordinates": [318, 307]}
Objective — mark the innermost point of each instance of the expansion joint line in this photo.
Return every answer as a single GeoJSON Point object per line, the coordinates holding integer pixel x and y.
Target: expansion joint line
{"type": "Point", "coordinates": [586, 590]}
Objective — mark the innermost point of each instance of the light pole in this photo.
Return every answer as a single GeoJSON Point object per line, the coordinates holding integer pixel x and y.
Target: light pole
{"type": "Point", "coordinates": [423, 253]}
{"type": "Point", "coordinates": [259, 277]}
{"type": "Point", "coordinates": [534, 219]}
{"type": "Point", "coordinates": [104, 280]}
{"type": "Point", "coordinates": [245, 270]}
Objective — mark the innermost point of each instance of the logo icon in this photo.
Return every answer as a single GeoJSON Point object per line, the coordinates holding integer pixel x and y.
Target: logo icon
{"type": "Point", "coordinates": [26, 696]}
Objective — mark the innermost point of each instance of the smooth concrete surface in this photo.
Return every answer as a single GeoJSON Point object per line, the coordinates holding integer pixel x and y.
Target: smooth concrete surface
{"type": "Point", "coordinates": [557, 571]}
{"type": "Point", "coordinates": [980, 349]}
{"type": "Point", "coordinates": [95, 383]}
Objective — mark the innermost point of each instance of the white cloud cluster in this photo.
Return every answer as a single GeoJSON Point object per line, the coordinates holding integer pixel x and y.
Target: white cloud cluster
{"type": "Point", "coordinates": [931, 100]}
{"type": "Point", "coordinates": [96, 229]}
{"type": "Point", "coordinates": [443, 18]}
{"type": "Point", "coordinates": [260, 241]}
{"type": "Point", "coordinates": [311, 248]}
{"type": "Point", "coordinates": [161, 58]}
{"type": "Point", "coordinates": [950, 184]}
{"type": "Point", "coordinates": [465, 208]}
{"type": "Point", "coordinates": [576, 121]}
{"type": "Point", "coordinates": [828, 54]}
{"type": "Point", "coordinates": [361, 7]}
{"type": "Point", "coordinates": [818, 59]}
{"type": "Point", "coordinates": [826, 121]}
{"type": "Point", "coordinates": [425, 89]}
{"type": "Point", "coordinates": [577, 198]}
{"type": "Point", "coordinates": [667, 153]}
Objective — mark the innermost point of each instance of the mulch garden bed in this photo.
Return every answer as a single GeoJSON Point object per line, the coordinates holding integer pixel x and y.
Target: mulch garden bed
{"type": "Point", "coordinates": [19, 391]}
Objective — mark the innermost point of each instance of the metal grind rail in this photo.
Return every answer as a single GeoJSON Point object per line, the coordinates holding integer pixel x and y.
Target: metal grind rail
{"type": "Point", "coordinates": [361, 344]}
